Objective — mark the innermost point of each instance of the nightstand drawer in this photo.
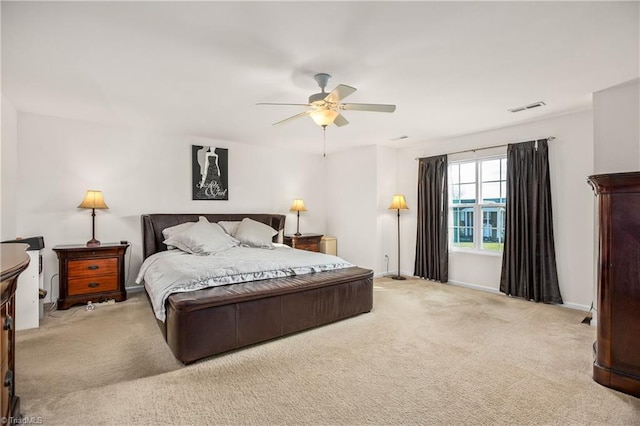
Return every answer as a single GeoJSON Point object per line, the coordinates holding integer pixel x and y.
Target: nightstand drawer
{"type": "Point", "coordinates": [92, 267]}
{"type": "Point", "coordinates": [96, 284]}
{"type": "Point", "coordinates": [307, 246]}
{"type": "Point", "coordinates": [309, 242]}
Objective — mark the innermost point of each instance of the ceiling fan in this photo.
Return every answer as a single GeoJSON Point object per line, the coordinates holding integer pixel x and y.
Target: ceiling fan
{"type": "Point", "coordinates": [324, 106]}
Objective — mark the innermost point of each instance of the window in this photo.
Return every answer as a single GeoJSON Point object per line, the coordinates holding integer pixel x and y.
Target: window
{"type": "Point", "coordinates": [478, 194]}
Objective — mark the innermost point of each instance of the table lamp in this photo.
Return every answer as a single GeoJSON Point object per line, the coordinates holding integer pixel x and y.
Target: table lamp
{"type": "Point", "coordinates": [93, 200]}
{"type": "Point", "coordinates": [298, 206]}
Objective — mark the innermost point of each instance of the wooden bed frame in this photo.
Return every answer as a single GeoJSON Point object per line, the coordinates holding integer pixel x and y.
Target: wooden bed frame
{"type": "Point", "coordinates": [210, 321]}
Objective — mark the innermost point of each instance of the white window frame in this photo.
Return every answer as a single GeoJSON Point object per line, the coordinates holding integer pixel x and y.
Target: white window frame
{"type": "Point", "coordinates": [477, 209]}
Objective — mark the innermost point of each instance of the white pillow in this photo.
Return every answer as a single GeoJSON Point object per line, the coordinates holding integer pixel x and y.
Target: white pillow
{"type": "Point", "coordinates": [255, 234]}
{"type": "Point", "coordinates": [172, 230]}
{"type": "Point", "coordinates": [230, 226]}
{"type": "Point", "coordinates": [202, 238]}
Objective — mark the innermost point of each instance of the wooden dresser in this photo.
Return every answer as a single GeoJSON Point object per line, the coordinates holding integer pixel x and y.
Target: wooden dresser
{"type": "Point", "coordinates": [617, 348]}
{"type": "Point", "coordinates": [14, 261]}
{"type": "Point", "coordinates": [310, 242]}
{"type": "Point", "coordinates": [90, 274]}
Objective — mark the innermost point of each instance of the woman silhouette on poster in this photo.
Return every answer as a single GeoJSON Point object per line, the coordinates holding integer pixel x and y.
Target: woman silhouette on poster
{"type": "Point", "coordinates": [210, 186]}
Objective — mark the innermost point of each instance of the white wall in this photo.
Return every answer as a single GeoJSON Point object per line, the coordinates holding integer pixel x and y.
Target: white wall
{"type": "Point", "coordinates": [141, 171]}
{"type": "Point", "coordinates": [616, 128]}
{"type": "Point", "coordinates": [352, 204]}
{"type": "Point", "coordinates": [9, 162]}
{"type": "Point", "coordinates": [360, 185]}
{"type": "Point", "coordinates": [387, 220]}
{"type": "Point", "coordinates": [571, 161]}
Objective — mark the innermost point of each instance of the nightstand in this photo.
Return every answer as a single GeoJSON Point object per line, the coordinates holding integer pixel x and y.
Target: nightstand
{"type": "Point", "coordinates": [90, 273]}
{"type": "Point", "coordinates": [310, 242]}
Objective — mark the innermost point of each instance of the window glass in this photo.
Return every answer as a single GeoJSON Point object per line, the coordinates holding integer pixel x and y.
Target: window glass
{"type": "Point", "coordinates": [478, 191]}
{"type": "Point", "coordinates": [468, 193]}
{"type": "Point", "coordinates": [490, 170]}
{"type": "Point", "coordinates": [493, 228]}
{"type": "Point", "coordinates": [455, 193]}
{"type": "Point", "coordinates": [491, 192]}
{"type": "Point", "coordinates": [462, 179]}
{"type": "Point", "coordinates": [462, 229]}
{"type": "Point", "coordinates": [492, 180]}
{"type": "Point", "coordinates": [468, 172]}
{"type": "Point", "coordinates": [454, 173]}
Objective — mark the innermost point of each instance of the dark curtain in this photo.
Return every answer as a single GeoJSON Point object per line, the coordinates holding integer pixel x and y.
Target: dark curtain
{"type": "Point", "coordinates": [529, 258]}
{"type": "Point", "coordinates": [432, 260]}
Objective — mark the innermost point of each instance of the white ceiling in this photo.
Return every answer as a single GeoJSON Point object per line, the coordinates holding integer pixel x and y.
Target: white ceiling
{"type": "Point", "coordinates": [199, 68]}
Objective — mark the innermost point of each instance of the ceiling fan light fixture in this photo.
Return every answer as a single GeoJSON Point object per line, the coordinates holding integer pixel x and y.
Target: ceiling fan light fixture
{"type": "Point", "coordinates": [323, 117]}
{"type": "Point", "coordinates": [325, 107]}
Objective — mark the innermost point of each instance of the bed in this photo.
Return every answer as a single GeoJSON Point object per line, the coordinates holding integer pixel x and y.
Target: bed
{"type": "Point", "coordinates": [209, 321]}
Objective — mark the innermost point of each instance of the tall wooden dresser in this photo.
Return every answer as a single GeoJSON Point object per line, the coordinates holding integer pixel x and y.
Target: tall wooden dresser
{"type": "Point", "coordinates": [14, 260]}
{"type": "Point", "coordinates": [617, 348]}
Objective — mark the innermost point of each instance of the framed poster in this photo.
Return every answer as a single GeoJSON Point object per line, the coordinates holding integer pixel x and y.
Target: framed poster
{"type": "Point", "coordinates": [209, 169]}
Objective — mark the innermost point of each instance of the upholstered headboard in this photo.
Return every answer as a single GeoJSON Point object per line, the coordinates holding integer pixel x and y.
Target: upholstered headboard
{"type": "Point", "coordinates": [153, 224]}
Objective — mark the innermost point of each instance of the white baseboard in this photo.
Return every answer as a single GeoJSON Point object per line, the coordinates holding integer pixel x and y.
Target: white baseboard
{"type": "Point", "coordinates": [567, 305]}
{"type": "Point", "coordinates": [475, 286]}
{"type": "Point", "coordinates": [576, 306]}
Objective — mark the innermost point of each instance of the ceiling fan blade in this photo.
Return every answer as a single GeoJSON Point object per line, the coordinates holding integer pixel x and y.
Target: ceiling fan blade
{"type": "Point", "coordinates": [368, 107]}
{"type": "Point", "coordinates": [340, 121]}
{"type": "Point", "coordinates": [276, 103]}
{"type": "Point", "coordinates": [340, 92]}
{"type": "Point", "coordinates": [293, 117]}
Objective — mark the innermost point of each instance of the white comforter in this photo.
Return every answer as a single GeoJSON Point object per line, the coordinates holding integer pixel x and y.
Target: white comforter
{"type": "Point", "coordinates": [175, 271]}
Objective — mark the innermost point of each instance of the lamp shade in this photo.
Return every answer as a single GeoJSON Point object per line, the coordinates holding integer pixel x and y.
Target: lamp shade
{"type": "Point", "coordinates": [323, 117]}
{"type": "Point", "coordinates": [93, 200]}
{"type": "Point", "coordinates": [298, 206]}
{"type": "Point", "coordinates": [398, 203]}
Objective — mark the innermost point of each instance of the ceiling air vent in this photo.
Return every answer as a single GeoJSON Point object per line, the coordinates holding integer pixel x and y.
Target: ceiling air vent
{"type": "Point", "coordinates": [526, 107]}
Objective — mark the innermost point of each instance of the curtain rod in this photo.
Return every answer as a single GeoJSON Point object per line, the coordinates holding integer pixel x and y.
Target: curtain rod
{"type": "Point", "coordinates": [550, 138]}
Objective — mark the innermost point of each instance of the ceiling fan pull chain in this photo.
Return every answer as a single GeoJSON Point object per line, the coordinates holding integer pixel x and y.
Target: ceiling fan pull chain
{"type": "Point", "coordinates": [324, 141]}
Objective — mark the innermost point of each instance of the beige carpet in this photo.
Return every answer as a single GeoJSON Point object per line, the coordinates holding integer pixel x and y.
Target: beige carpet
{"type": "Point", "coordinates": [428, 353]}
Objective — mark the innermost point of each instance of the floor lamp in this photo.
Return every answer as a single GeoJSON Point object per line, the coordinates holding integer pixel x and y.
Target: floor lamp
{"type": "Point", "coordinates": [398, 203]}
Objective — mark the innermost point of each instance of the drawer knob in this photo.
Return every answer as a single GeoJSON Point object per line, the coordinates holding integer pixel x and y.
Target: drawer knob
{"type": "Point", "coordinates": [8, 379]}
{"type": "Point", "coordinates": [93, 285]}
{"type": "Point", "coordinates": [93, 267]}
{"type": "Point", "coordinates": [8, 323]}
